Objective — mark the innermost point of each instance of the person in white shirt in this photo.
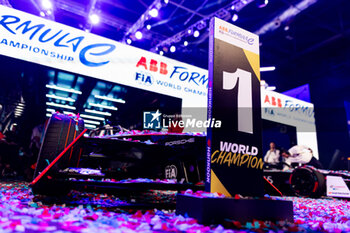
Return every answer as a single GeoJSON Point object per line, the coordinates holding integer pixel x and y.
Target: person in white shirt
{"type": "Point", "coordinates": [300, 154]}
{"type": "Point", "coordinates": [273, 155]}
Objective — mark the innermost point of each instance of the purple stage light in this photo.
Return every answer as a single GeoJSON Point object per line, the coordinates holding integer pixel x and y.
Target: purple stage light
{"type": "Point", "coordinates": [262, 3]}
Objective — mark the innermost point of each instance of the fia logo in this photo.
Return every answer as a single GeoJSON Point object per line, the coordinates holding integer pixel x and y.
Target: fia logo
{"type": "Point", "coordinates": [151, 120]}
{"type": "Point", "coordinates": [144, 78]}
{"type": "Point", "coordinates": [170, 172]}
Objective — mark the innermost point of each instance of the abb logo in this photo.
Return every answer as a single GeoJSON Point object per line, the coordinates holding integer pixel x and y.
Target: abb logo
{"type": "Point", "coordinates": [222, 28]}
{"type": "Point", "coordinates": [273, 101]}
{"type": "Point", "coordinates": [153, 66]}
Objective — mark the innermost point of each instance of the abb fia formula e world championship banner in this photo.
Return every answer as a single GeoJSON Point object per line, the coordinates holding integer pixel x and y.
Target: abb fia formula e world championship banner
{"type": "Point", "coordinates": [234, 156]}
{"type": "Point", "coordinates": [38, 40]}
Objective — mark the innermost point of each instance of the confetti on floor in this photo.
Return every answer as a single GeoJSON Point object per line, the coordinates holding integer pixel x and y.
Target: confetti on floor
{"type": "Point", "coordinates": [20, 212]}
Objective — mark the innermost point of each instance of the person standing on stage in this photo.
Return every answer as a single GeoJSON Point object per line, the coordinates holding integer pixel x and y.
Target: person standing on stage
{"type": "Point", "coordinates": [273, 155]}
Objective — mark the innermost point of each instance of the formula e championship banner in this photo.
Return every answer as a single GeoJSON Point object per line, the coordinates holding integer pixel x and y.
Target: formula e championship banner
{"type": "Point", "coordinates": [234, 156]}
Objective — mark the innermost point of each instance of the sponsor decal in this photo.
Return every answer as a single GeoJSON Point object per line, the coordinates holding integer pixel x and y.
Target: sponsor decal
{"type": "Point", "coordinates": [179, 78]}
{"type": "Point", "coordinates": [269, 178]}
{"type": "Point", "coordinates": [298, 108]}
{"type": "Point", "coordinates": [185, 75]}
{"type": "Point", "coordinates": [273, 101]}
{"type": "Point", "coordinates": [170, 172]}
{"type": "Point", "coordinates": [237, 35]}
{"type": "Point", "coordinates": [290, 104]}
{"type": "Point", "coordinates": [180, 142]}
{"type": "Point", "coordinates": [336, 187]}
{"type": "Point", "coordinates": [144, 78]}
{"type": "Point", "coordinates": [153, 65]}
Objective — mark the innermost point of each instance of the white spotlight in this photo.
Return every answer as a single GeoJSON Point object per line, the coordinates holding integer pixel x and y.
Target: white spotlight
{"type": "Point", "coordinates": [269, 68]}
{"type": "Point", "coordinates": [196, 33]}
{"type": "Point", "coordinates": [148, 27]}
{"type": "Point", "coordinates": [185, 43]}
{"type": "Point", "coordinates": [95, 19]}
{"type": "Point", "coordinates": [270, 88]}
{"type": "Point", "coordinates": [63, 89]}
{"type": "Point", "coordinates": [69, 113]}
{"type": "Point", "coordinates": [91, 122]}
{"type": "Point", "coordinates": [60, 105]}
{"type": "Point", "coordinates": [46, 4]}
{"type": "Point", "coordinates": [138, 35]}
{"type": "Point", "coordinates": [129, 41]}
{"type": "Point", "coordinates": [110, 99]}
{"type": "Point", "coordinates": [90, 126]}
{"type": "Point", "coordinates": [172, 49]}
{"type": "Point", "coordinates": [92, 117]}
{"type": "Point", "coordinates": [103, 106]}
{"type": "Point", "coordinates": [98, 112]}
{"type": "Point", "coordinates": [153, 12]}
{"type": "Point", "coordinates": [60, 98]}
{"type": "Point", "coordinates": [234, 17]}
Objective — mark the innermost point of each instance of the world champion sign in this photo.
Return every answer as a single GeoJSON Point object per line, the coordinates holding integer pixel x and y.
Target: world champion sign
{"type": "Point", "coordinates": [234, 156]}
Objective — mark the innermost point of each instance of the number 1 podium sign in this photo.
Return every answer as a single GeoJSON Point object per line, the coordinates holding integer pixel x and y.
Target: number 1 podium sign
{"type": "Point", "coordinates": [234, 156]}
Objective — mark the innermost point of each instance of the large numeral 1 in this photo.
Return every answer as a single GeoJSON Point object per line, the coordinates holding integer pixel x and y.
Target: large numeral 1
{"type": "Point", "coordinates": [243, 79]}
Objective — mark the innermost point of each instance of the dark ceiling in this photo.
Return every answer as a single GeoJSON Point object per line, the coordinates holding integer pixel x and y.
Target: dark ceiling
{"type": "Point", "coordinates": [307, 40]}
{"type": "Point", "coordinates": [317, 36]}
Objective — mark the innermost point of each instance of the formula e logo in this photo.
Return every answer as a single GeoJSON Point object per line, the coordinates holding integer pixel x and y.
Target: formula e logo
{"type": "Point", "coordinates": [144, 78]}
{"type": "Point", "coordinates": [170, 172]}
{"type": "Point", "coordinates": [151, 120]}
{"type": "Point", "coordinates": [60, 40]}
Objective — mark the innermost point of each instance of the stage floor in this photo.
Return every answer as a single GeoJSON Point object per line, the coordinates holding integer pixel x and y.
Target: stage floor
{"type": "Point", "coordinates": [21, 212]}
